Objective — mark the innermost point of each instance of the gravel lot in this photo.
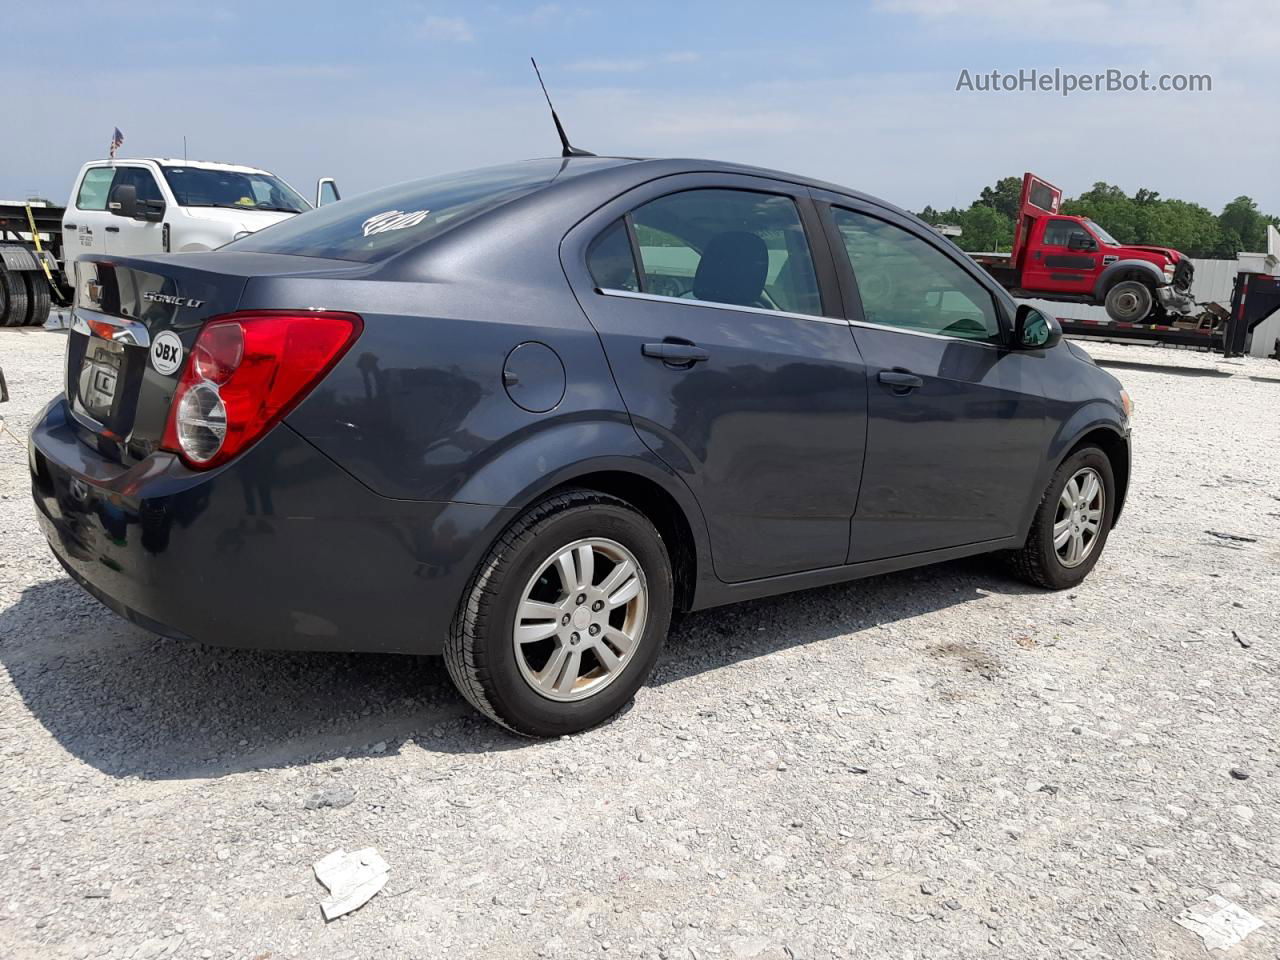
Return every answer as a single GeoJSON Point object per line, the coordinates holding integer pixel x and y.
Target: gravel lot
{"type": "Point", "coordinates": [941, 763]}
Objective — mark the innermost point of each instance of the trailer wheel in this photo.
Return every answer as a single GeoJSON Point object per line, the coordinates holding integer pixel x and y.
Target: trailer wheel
{"type": "Point", "coordinates": [13, 294]}
{"type": "Point", "coordinates": [38, 298]}
{"type": "Point", "coordinates": [1129, 301]}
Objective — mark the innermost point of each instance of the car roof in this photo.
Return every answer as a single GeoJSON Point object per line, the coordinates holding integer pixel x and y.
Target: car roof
{"type": "Point", "coordinates": [192, 164]}
{"type": "Point", "coordinates": [650, 168]}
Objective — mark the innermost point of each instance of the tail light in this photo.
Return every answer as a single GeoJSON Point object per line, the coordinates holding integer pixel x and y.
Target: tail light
{"type": "Point", "coordinates": [246, 372]}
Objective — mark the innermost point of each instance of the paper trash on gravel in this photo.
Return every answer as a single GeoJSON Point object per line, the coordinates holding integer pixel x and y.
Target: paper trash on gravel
{"type": "Point", "coordinates": [352, 879]}
{"type": "Point", "coordinates": [1219, 922]}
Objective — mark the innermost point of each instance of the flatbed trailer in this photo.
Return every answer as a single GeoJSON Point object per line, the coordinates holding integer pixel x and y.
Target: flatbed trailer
{"type": "Point", "coordinates": [1254, 298]}
{"type": "Point", "coordinates": [31, 274]}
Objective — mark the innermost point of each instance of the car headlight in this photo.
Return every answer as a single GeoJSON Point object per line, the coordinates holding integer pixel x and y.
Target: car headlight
{"type": "Point", "coordinates": [1126, 403]}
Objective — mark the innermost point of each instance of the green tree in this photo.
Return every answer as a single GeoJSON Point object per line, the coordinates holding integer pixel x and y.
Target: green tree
{"type": "Point", "coordinates": [1003, 197]}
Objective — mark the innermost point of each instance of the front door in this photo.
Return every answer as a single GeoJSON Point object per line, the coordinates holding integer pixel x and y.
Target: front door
{"type": "Point", "coordinates": [136, 237]}
{"type": "Point", "coordinates": [1063, 258]}
{"type": "Point", "coordinates": [705, 291]}
{"type": "Point", "coordinates": [956, 421]}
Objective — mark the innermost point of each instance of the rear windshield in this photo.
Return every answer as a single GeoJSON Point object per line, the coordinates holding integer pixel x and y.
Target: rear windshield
{"type": "Point", "coordinates": [376, 225]}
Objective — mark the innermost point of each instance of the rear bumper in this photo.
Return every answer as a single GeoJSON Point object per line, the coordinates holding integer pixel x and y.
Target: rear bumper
{"type": "Point", "coordinates": [278, 549]}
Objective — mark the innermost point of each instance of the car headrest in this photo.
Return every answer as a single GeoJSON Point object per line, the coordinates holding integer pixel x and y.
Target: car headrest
{"type": "Point", "coordinates": [733, 269]}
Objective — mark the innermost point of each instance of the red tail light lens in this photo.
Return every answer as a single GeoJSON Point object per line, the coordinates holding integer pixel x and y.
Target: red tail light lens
{"type": "Point", "coordinates": [247, 371]}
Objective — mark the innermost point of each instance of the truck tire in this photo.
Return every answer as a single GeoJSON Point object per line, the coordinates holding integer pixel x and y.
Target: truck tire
{"type": "Point", "coordinates": [13, 295]}
{"type": "Point", "coordinates": [1129, 301]}
{"type": "Point", "coordinates": [38, 298]}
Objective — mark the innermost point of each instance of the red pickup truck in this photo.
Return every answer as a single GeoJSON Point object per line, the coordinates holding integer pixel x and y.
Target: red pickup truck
{"type": "Point", "coordinates": [1072, 259]}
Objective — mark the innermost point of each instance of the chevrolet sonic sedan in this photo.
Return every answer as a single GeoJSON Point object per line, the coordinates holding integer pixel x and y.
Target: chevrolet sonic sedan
{"type": "Point", "coordinates": [521, 415]}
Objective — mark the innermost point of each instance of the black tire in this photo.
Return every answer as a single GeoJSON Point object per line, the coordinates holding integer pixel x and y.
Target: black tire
{"type": "Point", "coordinates": [13, 292]}
{"type": "Point", "coordinates": [1130, 301]}
{"type": "Point", "coordinates": [479, 652]}
{"type": "Point", "coordinates": [1038, 561]}
{"type": "Point", "coordinates": [38, 298]}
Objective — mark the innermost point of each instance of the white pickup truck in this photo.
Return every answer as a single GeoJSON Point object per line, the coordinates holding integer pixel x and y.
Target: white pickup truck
{"type": "Point", "coordinates": [133, 207]}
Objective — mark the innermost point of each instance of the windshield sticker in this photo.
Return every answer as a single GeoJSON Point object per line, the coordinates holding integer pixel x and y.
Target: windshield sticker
{"type": "Point", "coordinates": [393, 220]}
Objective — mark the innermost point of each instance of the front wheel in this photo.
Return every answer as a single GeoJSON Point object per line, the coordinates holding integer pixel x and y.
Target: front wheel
{"type": "Point", "coordinates": [1129, 302]}
{"type": "Point", "coordinates": [1071, 524]}
{"type": "Point", "coordinates": [565, 617]}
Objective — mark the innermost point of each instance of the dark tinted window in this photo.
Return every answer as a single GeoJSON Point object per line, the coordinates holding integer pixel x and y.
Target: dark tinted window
{"type": "Point", "coordinates": [728, 246]}
{"type": "Point", "coordinates": [202, 187]}
{"type": "Point", "coordinates": [609, 259]}
{"type": "Point", "coordinates": [376, 225]}
{"type": "Point", "coordinates": [905, 282]}
{"type": "Point", "coordinates": [141, 179]}
{"type": "Point", "coordinates": [1057, 233]}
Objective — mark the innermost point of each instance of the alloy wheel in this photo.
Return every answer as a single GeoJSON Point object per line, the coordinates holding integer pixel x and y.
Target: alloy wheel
{"type": "Point", "coordinates": [1078, 519]}
{"type": "Point", "coordinates": [580, 619]}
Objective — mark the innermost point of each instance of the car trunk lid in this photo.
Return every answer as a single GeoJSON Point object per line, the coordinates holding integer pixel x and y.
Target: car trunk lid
{"type": "Point", "coordinates": [134, 322]}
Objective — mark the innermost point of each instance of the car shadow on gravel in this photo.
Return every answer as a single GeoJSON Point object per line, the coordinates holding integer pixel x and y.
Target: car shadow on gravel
{"type": "Point", "coordinates": [1163, 368]}
{"type": "Point", "coordinates": [131, 704]}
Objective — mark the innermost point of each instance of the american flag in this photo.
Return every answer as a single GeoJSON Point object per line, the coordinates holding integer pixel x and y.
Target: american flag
{"type": "Point", "coordinates": [117, 138]}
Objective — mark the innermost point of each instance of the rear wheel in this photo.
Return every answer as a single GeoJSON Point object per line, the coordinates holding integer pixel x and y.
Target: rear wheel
{"type": "Point", "coordinates": [38, 298]}
{"type": "Point", "coordinates": [1129, 301]}
{"type": "Point", "coordinates": [13, 297]}
{"type": "Point", "coordinates": [565, 618]}
{"type": "Point", "coordinates": [1071, 524]}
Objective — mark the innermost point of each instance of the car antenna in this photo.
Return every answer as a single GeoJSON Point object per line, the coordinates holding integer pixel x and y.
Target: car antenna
{"type": "Point", "coordinates": [566, 148]}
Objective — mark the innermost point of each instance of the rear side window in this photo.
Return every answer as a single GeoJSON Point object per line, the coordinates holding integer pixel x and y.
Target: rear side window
{"type": "Point", "coordinates": [376, 225]}
{"type": "Point", "coordinates": [610, 261]}
{"type": "Point", "coordinates": [94, 188]}
{"type": "Point", "coordinates": [735, 247]}
{"type": "Point", "coordinates": [907, 283]}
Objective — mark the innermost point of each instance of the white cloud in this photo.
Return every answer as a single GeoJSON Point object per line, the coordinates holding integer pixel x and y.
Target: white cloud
{"type": "Point", "coordinates": [454, 29]}
{"type": "Point", "coordinates": [606, 65]}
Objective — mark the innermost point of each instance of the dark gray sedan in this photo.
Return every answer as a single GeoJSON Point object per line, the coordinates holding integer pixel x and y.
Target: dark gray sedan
{"type": "Point", "coordinates": [520, 415]}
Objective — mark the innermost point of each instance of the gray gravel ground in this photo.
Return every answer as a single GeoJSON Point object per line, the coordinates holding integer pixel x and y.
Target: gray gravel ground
{"type": "Point", "coordinates": [941, 763]}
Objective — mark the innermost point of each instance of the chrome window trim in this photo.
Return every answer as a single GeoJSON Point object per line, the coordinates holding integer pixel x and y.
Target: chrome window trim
{"type": "Point", "coordinates": [714, 305]}
{"type": "Point", "coordinates": [684, 301]}
{"type": "Point", "coordinates": [924, 333]}
{"type": "Point", "coordinates": [127, 332]}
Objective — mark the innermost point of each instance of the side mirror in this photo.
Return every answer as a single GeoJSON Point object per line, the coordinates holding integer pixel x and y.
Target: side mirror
{"type": "Point", "coordinates": [1032, 330]}
{"type": "Point", "coordinates": [1079, 241]}
{"type": "Point", "coordinates": [151, 211]}
{"type": "Point", "coordinates": [124, 201]}
{"type": "Point", "coordinates": [327, 191]}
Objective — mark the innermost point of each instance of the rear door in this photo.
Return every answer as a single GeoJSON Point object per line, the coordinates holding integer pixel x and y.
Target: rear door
{"type": "Point", "coordinates": [956, 421]}
{"type": "Point", "coordinates": [84, 225]}
{"type": "Point", "coordinates": [715, 299]}
{"type": "Point", "coordinates": [1063, 258]}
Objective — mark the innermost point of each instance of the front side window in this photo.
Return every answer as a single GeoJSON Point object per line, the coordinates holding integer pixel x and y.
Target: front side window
{"type": "Point", "coordinates": [907, 283]}
{"type": "Point", "coordinates": [141, 180]}
{"type": "Point", "coordinates": [1058, 232]}
{"type": "Point", "coordinates": [202, 187]}
{"type": "Point", "coordinates": [735, 247]}
{"type": "Point", "coordinates": [94, 188]}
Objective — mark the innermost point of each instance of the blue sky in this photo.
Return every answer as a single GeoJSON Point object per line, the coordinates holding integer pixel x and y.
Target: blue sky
{"type": "Point", "coordinates": [859, 93]}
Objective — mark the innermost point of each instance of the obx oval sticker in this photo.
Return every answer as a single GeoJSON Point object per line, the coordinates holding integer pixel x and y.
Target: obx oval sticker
{"type": "Point", "coordinates": [166, 352]}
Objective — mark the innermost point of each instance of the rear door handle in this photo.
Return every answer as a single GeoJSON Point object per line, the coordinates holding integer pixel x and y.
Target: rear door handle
{"type": "Point", "coordinates": [900, 380]}
{"type": "Point", "coordinates": [675, 352]}
{"type": "Point", "coordinates": [68, 226]}
{"type": "Point", "coordinates": [112, 229]}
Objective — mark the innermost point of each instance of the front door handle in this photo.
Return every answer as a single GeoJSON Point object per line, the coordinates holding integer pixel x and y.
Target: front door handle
{"type": "Point", "coordinates": [669, 352]}
{"type": "Point", "coordinates": [112, 229]}
{"type": "Point", "coordinates": [900, 380]}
